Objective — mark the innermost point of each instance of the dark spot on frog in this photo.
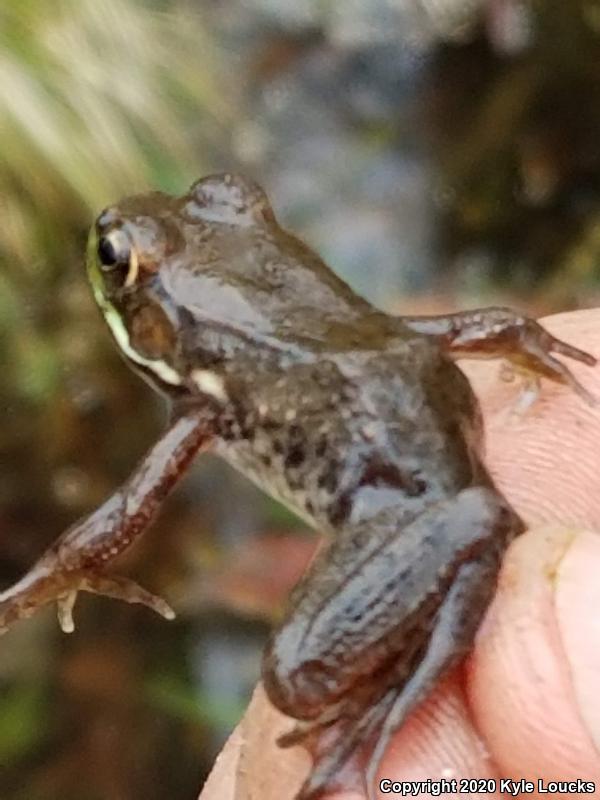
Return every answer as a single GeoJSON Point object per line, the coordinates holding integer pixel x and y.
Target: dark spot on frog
{"type": "Point", "coordinates": [278, 447]}
{"type": "Point", "coordinates": [321, 447]}
{"type": "Point", "coordinates": [295, 432]}
{"type": "Point", "coordinates": [339, 511]}
{"type": "Point", "coordinates": [295, 447]}
{"type": "Point", "coordinates": [269, 424]}
{"type": "Point", "coordinates": [328, 479]}
{"type": "Point", "coordinates": [379, 473]}
{"type": "Point", "coordinates": [229, 428]}
{"type": "Point", "coordinates": [294, 457]}
{"type": "Point", "coordinates": [248, 427]}
{"type": "Point", "coordinates": [226, 429]}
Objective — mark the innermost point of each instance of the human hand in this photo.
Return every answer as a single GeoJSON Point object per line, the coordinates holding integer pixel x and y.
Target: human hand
{"type": "Point", "coordinates": [527, 702]}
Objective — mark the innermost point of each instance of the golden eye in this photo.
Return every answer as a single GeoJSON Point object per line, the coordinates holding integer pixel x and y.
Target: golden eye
{"type": "Point", "coordinates": [115, 250]}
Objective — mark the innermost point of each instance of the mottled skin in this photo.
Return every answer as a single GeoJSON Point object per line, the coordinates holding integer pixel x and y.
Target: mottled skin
{"type": "Point", "coordinates": [358, 420]}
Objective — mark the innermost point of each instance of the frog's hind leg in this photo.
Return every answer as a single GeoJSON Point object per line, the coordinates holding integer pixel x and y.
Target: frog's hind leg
{"type": "Point", "coordinates": [456, 623]}
{"type": "Point", "coordinates": [377, 621]}
{"type": "Point", "coordinates": [454, 628]}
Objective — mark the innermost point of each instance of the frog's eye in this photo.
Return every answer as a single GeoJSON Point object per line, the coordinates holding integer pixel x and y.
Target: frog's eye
{"type": "Point", "coordinates": [114, 250]}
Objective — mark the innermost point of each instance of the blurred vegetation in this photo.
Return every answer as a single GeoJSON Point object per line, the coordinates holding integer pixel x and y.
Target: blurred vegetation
{"type": "Point", "coordinates": [444, 146]}
{"type": "Point", "coordinates": [517, 147]}
{"type": "Point", "coordinates": [97, 98]}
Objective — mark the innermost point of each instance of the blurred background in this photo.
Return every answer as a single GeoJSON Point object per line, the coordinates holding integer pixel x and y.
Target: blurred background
{"type": "Point", "coordinates": [439, 154]}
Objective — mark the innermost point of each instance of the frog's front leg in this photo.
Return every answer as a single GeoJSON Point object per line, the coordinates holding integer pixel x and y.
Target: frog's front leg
{"type": "Point", "coordinates": [382, 614]}
{"type": "Point", "coordinates": [77, 560]}
{"type": "Point", "coordinates": [503, 333]}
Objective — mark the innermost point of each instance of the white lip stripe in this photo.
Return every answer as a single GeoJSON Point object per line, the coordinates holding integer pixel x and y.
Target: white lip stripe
{"type": "Point", "coordinates": [161, 369]}
{"type": "Point", "coordinates": [210, 383]}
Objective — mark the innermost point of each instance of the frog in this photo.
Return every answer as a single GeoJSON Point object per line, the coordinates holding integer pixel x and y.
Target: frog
{"type": "Point", "coordinates": [358, 420]}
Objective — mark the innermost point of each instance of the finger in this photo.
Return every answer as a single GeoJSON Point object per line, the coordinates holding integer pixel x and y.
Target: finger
{"type": "Point", "coordinates": [533, 684]}
{"type": "Point", "coordinates": [438, 741]}
{"type": "Point", "coordinates": [528, 654]}
{"type": "Point", "coordinates": [251, 765]}
{"type": "Point", "coordinates": [546, 460]}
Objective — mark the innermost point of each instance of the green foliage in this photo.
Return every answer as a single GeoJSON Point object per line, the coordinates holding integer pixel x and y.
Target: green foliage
{"type": "Point", "coordinates": [183, 701]}
{"type": "Point", "coordinates": [96, 98]}
{"type": "Point", "coordinates": [21, 721]}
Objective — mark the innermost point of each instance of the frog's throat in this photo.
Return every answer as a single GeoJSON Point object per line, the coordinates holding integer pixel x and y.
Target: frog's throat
{"type": "Point", "coordinates": [160, 368]}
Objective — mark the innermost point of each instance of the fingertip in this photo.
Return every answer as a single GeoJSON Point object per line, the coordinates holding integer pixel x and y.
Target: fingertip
{"type": "Point", "coordinates": [545, 460]}
{"type": "Point", "coordinates": [577, 600]}
{"type": "Point", "coordinates": [520, 683]}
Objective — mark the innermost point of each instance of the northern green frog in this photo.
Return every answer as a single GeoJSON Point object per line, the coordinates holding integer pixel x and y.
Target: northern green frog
{"type": "Point", "coordinates": [358, 420]}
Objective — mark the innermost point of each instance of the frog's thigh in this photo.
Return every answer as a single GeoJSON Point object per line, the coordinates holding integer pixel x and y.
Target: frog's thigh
{"type": "Point", "coordinates": [372, 601]}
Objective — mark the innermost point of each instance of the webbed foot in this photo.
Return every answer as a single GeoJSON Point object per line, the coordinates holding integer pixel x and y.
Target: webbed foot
{"type": "Point", "coordinates": [499, 332]}
{"type": "Point", "coordinates": [46, 583]}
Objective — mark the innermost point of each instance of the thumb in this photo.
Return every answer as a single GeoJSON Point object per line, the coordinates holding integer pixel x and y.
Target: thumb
{"type": "Point", "coordinates": [534, 674]}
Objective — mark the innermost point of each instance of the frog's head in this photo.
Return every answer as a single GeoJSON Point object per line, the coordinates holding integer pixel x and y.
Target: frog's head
{"type": "Point", "coordinates": [126, 249]}
{"type": "Point", "coordinates": [163, 269]}
{"type": "Point", "coordinates": [187, 282]}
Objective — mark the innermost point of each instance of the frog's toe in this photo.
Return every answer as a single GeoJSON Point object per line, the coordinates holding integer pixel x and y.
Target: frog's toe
{"type": "Point", "coordinates": [120, 588]}
{"type": "Point", "coordinates": [542, 364]}
{"type": "Point", "coordinates": [306, 731]}
{"type": "Point", "coordinates": [570, 351]}
{"type": "Point", "coordinates": [329, 773]}
{"type": "Point", "coordinates": [45, 584]}
{"type": "Point", "coordinates": [299, 734]}
{"type": "Point", "coordinates": [534, 357]}
{"type": "Point", "coordinates": [341, 750]}
{"type": "Point", "coordinates": [349, 779]}
{"type": "Point", "coordinates": [117, 587]}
